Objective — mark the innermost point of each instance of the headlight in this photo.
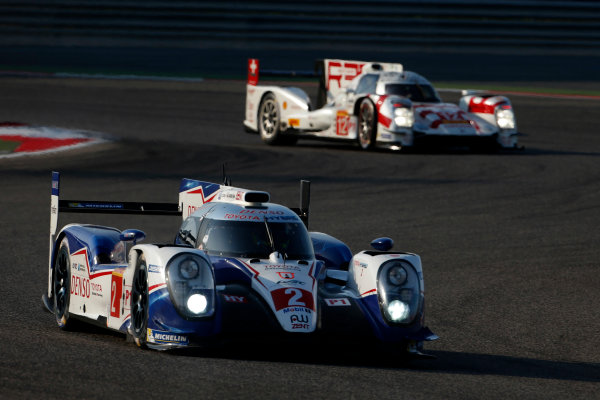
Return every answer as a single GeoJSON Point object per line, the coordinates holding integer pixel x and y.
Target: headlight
{"type": "Point", "coordinates": [505, 118]}
{"type": "Point", "coordinates": [397, 275]}
{"type": "Point", "coordinates": [400, 297]}
{"type": "Point", "coordinates": [404, 117]}
{"type": "Point", "coordinates": [398, 310]}
{"type": "Point", "coordinates": [197, 303]}
{"type": "Point", "coordinates": [189, 268]}
{"type": "Point", "coordinates": [191, 285]}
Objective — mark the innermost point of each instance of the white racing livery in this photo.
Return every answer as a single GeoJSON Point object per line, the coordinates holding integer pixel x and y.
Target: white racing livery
{"type": "Point", "coordinates": [240, 268]}
{"type": "Point", "coordinates": [376, 104]}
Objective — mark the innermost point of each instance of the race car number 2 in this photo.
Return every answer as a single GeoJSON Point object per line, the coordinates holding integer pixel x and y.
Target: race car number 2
{"type": "Point", "coordinates": [292, 297]}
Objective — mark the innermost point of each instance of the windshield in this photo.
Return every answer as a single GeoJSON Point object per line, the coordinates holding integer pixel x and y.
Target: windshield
{"type": "Point", "coordinates": [418, 93]}
{"type": "Point", "coordinates": [251, 239]}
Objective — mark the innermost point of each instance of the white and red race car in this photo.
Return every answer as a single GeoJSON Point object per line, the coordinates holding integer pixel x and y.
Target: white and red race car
{"type": "Point", "coordinates": [376, 104]}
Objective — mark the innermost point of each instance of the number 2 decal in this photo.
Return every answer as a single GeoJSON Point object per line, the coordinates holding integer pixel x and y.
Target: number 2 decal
{"type": "Point", "coordinates": [292, 297]}
{"type": "Point", "coordinates": [293, 301]}
{"type": "Point", "coordinates": [116, 291]}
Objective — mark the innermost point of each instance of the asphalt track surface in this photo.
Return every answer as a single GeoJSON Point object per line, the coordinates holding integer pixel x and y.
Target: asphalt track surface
{"type": "Point", "coordinates": [509, 243]}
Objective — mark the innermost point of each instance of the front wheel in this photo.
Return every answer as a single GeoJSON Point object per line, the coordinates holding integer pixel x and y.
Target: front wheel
{"type": "Point", "coordinates": [62, 285]}
{"type": "Point", "coordinates": [139, 303]}
{"type": "Point", "coordinates": [269, 123]}
{"type": "Point", "coordinates": [367, 125]}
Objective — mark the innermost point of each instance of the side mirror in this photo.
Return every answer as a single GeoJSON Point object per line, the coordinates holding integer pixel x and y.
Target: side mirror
{"type": "Point", "coordinates": [382, 244]}
{"type": "Point", "coordinates": [132, 234]}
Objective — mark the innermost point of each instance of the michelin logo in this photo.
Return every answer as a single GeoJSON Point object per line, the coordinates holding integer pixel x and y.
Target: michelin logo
{"type": "Point", "coordinates": [161, 337]}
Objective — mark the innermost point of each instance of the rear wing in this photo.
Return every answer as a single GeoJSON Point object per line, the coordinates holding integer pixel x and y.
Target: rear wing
{"type": "Point", "coordinates": [334, 75]}
{"type": "Point", "coordinates": [106, 207]}
{"type": "Point", "coordinates": [192, 194]}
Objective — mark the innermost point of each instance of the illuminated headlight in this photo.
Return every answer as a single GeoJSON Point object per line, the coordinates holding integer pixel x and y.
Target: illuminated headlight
{"type": "Point", "coordinates": [505, 119]}
{"type": "Point", "coordinates": [197, 303]}
{"type": "Point", "coordinates": [398, 310]}
{"type": "Point", "coordinates": [191, 285]}
{"type": "Point", "coordinates": [404, 117]}
{"type": "Point", "coordinates": [399, 290]}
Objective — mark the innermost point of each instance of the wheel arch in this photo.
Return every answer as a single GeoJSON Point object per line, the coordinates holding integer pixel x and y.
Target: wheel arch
{"type": "Point", "coordinates": [358, 102]}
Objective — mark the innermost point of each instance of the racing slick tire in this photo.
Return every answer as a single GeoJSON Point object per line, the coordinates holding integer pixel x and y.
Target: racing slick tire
{"type": "Point", "coordinates": [139, 303]}
{"type": "Point", "coordinates": [61, 286]}
{"type": "Point", "coordinates": [367, 125]}
{"type": "Point", "coordinates": [269, 123]}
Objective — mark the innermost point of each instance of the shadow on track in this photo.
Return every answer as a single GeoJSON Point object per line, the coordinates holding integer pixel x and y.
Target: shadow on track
{"type": "Point", "coordinates": [378, 357]}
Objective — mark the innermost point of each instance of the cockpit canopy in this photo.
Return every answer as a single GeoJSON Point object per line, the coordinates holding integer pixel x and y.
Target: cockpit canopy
{"type": "Point", "coordinates": [406, 84]}
{"type": "Point", "coordinates": [248, 239]}
{"type": "Point", "coordinates": [414, 92]}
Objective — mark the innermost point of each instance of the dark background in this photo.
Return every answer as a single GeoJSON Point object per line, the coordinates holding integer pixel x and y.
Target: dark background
{"type": "Point", "coordinates": [509, 241]}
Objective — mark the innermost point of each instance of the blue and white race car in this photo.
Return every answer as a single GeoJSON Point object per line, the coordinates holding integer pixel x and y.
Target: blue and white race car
{"type": "Point", "coordinates": [239, 266]}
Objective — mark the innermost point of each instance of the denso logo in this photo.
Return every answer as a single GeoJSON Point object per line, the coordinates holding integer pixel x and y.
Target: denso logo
{"type": "Point", "coordinates": [80, 286]}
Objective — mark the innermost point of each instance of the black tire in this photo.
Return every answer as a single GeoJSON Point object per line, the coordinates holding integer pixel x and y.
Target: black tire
{"type": "Point", "coordinates": [367, 125]}
{"type": "Point", "coordinates": [61, 286]}
{"type": "Point", "coordinates": [139, 303]}
{"type": "Point", "coordinates": [269, 123]}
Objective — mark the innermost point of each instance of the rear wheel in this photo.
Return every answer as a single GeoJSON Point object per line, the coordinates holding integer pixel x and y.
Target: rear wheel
{"type": "Point", "coordinates": [62, 285]}
{"type": "Point", "coordinates": [139, 303]}
{"type": "Point", "coordinates": [367, 125]}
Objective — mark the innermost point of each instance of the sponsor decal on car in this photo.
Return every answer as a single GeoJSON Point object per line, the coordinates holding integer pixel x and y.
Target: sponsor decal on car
{"type": "Point", "coordinates": [80, 286]}
{"type": "Point", "coordinates": [96, 289]}
{"type": "Point", "coordinates": [337, 302]}
{"type": "Point", "coordinates": [296, 309]}
{"type": "Point", "coordinates": [342, 123]}
{"type": "Point", "coordinates": [234, 299]}
{"type": "Point", "coordinates": [161, 337]}
{"type": "Point", "coordinates": [292, 297]}
{"type": "Point", "coordinates": [286, 275]}
{"type": "Point", "coordinates": [300, 321]}
{"type": "Point", "coordinates": [290, 282]}
{"type": "Point", "coordinates": [286, 267]}
{"type": "Point", "coordinates": [154, 268]}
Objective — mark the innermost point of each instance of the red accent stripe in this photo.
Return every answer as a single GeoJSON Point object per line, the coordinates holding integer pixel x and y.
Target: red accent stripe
{"type": "Point", "coordinates": [368, 292]}
{"type": "Point", "coordinates": [99, 274]}
{"type": "Point", "coordinates": [311, 275]}
{"type": "Point", "coordinates": [200, 191]}
{"type": "Point", "coordinates": [382, 119]}
{"type": "Point", "coordinates": [483, 107]}
{"type": "Point", "coordinates": [87, 264]}
{"type": "Point", "coordinates": [158, 286]}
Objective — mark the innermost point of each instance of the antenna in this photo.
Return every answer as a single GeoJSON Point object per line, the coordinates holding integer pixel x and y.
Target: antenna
{"type": "Point", "coordinates": [226, 179]}
{"type": "Point", "coordinates": [304, 201]}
